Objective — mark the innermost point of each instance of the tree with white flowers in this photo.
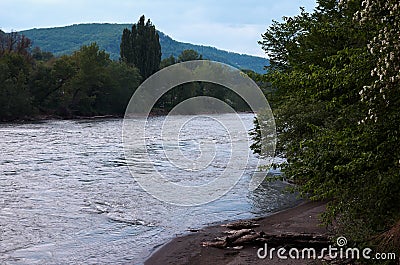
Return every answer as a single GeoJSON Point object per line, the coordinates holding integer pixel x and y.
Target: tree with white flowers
{"type": "Point", "coordinates": [336, 72]}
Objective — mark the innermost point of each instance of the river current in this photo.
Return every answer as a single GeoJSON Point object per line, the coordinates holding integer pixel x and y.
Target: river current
{"type": "Point", "coordinates": [68, 197]}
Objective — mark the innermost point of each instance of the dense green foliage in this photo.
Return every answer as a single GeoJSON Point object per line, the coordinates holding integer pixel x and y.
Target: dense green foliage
{"type": "Point", "coordinates": [85, 83]}
{"type": "Point", "coordinates": [15, 65]}
{"type": "Point", "coordinates": [194, 89]}
{"type": "Point", "coordinates": [15, 99]}
{"type": "Point", "coordinates": [189, 55]}
{"type": "Point", "coordinates": [140, 47]}
{"type": "Point", "coordinates": [337, 110]}
{"type": "Point", "coordinates": [66, 40]}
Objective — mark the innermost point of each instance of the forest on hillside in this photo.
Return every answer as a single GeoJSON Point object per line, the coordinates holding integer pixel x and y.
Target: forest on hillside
{"type": "Point", "coordinates": [34, 83]}
{"type": "Point", "coordinates": [66, 40]}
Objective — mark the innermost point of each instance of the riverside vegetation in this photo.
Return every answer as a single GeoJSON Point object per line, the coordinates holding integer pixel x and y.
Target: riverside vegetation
{"type": "Point", "coordinates": [334, 89]}
{"type": "Point", "coordinates": [88, 83]}
{"type": "Point", "coordinates": [336, 74]}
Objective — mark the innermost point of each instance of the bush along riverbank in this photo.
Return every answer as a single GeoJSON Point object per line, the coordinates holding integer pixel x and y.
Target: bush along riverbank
{"type": "Point", "coordinates": [336, 107]}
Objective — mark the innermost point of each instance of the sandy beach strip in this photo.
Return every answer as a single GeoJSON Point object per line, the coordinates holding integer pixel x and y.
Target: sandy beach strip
{"type": "Point", "coordinates": [188, 249]}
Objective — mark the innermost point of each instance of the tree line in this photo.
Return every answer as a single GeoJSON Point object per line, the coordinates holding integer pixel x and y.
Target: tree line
{"type": "Point", "coordinates": [336, 76]}
{"type": "Point", "coordinates": [34, 83]}
{"type": "Point", "coordinates": [140, 47]}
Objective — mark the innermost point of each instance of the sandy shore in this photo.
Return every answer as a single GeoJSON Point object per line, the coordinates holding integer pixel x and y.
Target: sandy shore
{"type": "Point", "coordinates": [188, 249]}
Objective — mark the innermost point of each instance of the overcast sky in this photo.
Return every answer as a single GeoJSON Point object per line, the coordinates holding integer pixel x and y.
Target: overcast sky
{"type": "Point", "coordinates": [234, 25]}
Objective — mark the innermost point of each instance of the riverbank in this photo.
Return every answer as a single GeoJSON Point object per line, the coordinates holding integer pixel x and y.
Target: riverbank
{"type": "Point", "coordinates": [46, 117]}
{"type": "Point", "coordinates": [188, 249]}
{"type": "Point", "coordinates": [41, 118]}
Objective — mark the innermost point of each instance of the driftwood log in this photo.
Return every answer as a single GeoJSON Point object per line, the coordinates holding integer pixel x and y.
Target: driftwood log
{"type": "Point", "coordinates": [239, 225]}
{"type": "Point", "coordinates": [243, 234]}
{"type": "Point", "coordinates": [299, 240]}
{"type": "Point", "coordinates": [226, 241]}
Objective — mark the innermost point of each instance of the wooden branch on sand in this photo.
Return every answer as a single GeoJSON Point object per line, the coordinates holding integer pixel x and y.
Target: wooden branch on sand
{"type": "Point", "coordinates": [222, 242]}
{"type": "Point", "coordinates": [244, 235]}
{"type": "Point", "coordinates": [241, 225]}
{"type": "Point", "coordinates": [297, 240]}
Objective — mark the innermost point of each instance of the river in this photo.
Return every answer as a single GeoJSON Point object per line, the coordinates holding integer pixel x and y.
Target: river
{"type": "Point", "coordinates": [67, 196]}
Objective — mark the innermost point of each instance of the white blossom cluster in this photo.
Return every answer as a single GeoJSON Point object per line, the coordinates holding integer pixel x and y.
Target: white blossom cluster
{"type": "Point", "coordinates": [385, 14]}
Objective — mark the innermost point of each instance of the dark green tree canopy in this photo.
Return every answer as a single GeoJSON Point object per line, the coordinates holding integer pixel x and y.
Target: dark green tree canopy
{"type": "Point", "coordinates": [140, 47]}
{"type": "Point", "coordinates": [86, 83]}
{"type": "Point", "coordinates": [336, 109]}
{"type": "Point", "coordinates": [189, 55]}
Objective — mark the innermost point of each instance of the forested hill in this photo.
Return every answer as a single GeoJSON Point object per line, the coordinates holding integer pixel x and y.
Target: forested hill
{"type": "Point", "coordinates": [65, 40]}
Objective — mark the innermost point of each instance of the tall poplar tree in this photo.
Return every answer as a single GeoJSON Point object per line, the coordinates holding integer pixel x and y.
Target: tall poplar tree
{"type": "Point", "coordinates": [141, 47]}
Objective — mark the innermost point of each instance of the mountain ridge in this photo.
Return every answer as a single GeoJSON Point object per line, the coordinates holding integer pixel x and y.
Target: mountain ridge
{"type": "Point", "coordinates": [67, 39]}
